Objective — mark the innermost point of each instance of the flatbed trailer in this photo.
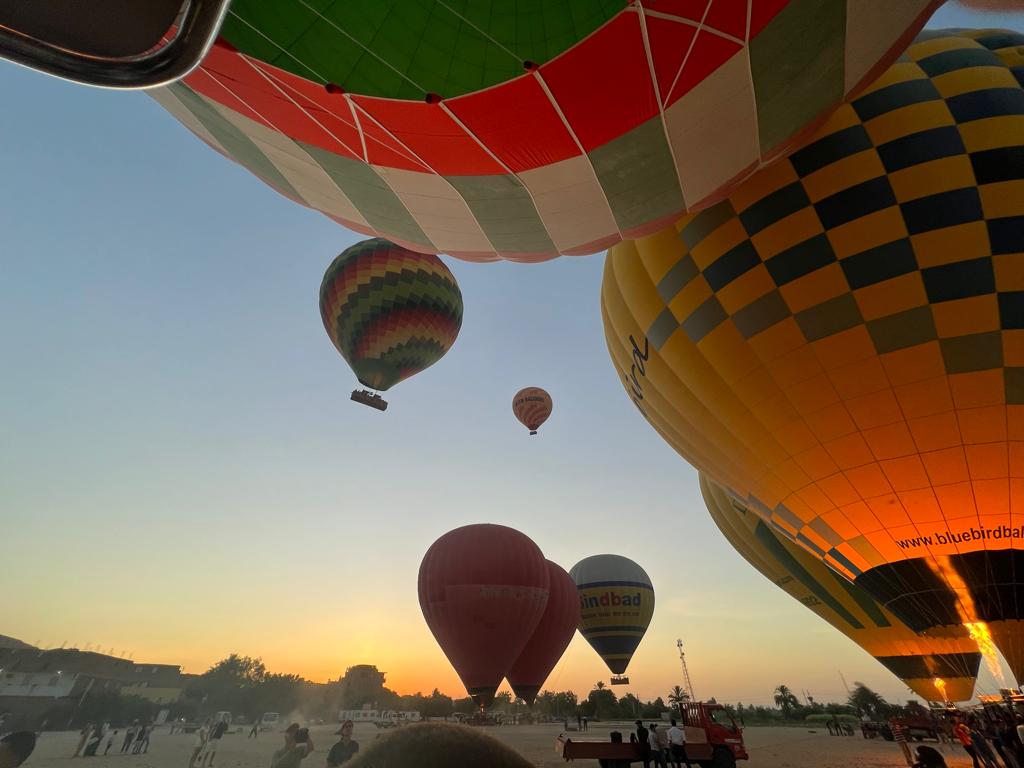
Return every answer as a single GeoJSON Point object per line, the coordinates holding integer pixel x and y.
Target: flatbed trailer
{"type": "Point", "coordinates": [713, 740]}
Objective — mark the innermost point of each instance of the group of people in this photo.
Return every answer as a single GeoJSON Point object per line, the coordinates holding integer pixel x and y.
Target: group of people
{"type": "Point", "coordinates": [298, 746]}
{"type": "Point", "coordinates": [995, 741]}
{"type": "Point", "coordinates": [99, 739]}
{"type": "Point", "coordinates": [662, 747]}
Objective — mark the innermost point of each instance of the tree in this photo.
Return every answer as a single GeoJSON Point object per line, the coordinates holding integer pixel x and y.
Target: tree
{"type": "Point", "coordinates": [630, 707]}
{"type": "Point", "coordinates": [866, 702]}
{"type": "Point", "coordinates": [599, 685]}
{"type": "Point", "coordinates": [786, 700]}
{"type": "Point", "coordinates": [603, 703]}
{"type": "Point", "coordinates": [677, 697]}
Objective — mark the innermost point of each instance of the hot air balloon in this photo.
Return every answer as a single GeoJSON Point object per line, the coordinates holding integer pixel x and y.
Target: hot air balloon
{"type": "Point", "coordinates": [531, 406]}
{"type": "Point", "coordinates": [483, 590]}
{"type": "Point", "coordinates": [839, 344]}
{"type": "Point", "coordinates": [550, 638]}
{"type": "Point", "coordinates": [390, 312]}
{"type": "Point", "coordinates": [616, 605]}
{"type": "Point", "coordinates": [939, 668]}
{"type": "Point", "coordinates": [492, 130]}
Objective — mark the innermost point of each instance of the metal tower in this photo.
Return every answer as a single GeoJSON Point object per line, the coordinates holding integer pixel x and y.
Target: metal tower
{"type": "Point", "coordinates": [686, 672]}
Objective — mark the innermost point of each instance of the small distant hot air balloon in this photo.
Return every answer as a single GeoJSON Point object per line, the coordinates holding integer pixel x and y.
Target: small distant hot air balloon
{"type": "Point", "coordinates": [550, 638]}
{"type": "Point", "coordinates": [616, 606]}
{"type": "Point", "coordinates": [532, 406]}
{"type": "Point", "coordinates": [390, 312]}
{"type": "Point", "coordinates": [483, 590]}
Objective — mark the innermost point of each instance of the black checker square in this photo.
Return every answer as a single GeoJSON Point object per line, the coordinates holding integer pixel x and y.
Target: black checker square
{"type": "Point", "coordinates": [959, 280]}
{"type": "Point", "coordinates": [801, 259]}
{"type": "Point", "coordinates": [829, 149]}
{"type": "Point", "coordinates": [1011, 310]}
{"type": "Point", "coordinates": [1001, 164]}
{"type": "Point", "coordinates": [855, 202]}
{"type": "Point", "coordinates": [894, 97]}
{"type": "Point", "coordinates": [677, 278]}
{"type": "Point", "coordinates": [958, 58]}
{"type": "Point", "coordinates": [908, 328]}
{"type": "Point", "coordinates": [774, 207]}
{"type": "Point", "coordinates": [830, 317]}
{"type": "Point", "coordinates": [706, 222]}
{"type": "Point", "coordinates": [984, 105]}
{"type": "Point", "coordinates": [731, 264]}
{"type": "Point", "coordinates": [944, 209]}
{"type": "Point", "coordinates": [973, 352]}
{"type": "Point", "coordinates": [1006, 235]}
{"type": "Point", "coordinates": [704, 319]}
{"type": "Point", "coordinates": [761, 314]}
{"type": "Point", "coordinates": [878, 264]}
{"type": "Point", "coordinates": [921, 147]}
{"type": "Point", "coordinates": [1013, 378]}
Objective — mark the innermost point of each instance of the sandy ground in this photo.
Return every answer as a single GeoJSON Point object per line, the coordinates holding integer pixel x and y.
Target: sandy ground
{"type": "Point", "coordinates": [769, 748]}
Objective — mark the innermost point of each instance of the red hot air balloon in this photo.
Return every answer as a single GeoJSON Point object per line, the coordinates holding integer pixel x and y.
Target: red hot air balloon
{"type": "Point", "coordinates": [483, 590]}
{"type": "Point", "coordinates": [551, 637]}
{"type": "Point", "coordinates": [532, 406]}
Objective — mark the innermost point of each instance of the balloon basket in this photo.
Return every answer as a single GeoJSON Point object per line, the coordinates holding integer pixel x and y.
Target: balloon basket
{"type": "Point", "coordinates": [619, 680]}
{"type": "Point", "coordinates": [533, 431]}
{"type": "Point", "coordinates": [369, 398]}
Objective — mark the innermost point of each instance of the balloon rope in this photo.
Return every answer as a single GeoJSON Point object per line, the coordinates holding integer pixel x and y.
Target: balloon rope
{"type": "Point", "coordinates": [466, 21]}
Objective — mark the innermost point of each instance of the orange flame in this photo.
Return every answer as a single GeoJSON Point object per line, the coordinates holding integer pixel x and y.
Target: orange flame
{"type": "Point", "coordinates": [978, 630]}
{"type": "Point", "coordinates": [940, 686]}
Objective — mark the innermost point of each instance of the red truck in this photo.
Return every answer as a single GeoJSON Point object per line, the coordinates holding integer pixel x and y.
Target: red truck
{"type": "Point", "coordinates": [713, 740]}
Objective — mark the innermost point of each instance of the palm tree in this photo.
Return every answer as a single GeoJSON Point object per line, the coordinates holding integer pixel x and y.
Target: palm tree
{"type": "Point", "coordinates": [785, 699]}
{"type": "Point", "coordinates": [678, 697]}
{"type": "Point", "coordinates": [599, 685]}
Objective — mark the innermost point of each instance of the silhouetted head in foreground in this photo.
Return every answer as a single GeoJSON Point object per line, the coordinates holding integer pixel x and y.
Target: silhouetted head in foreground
{"type": "Point", "coordinates": [439, 745]}
{"type": "Point", "coordinates": [15, 748]}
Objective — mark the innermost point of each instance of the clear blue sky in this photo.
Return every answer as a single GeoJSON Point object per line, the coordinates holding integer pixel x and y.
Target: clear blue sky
{"type": "Point", "coordinates": [182, 474]}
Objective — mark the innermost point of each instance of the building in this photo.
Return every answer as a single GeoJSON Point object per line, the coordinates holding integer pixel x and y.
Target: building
{"type": "Point", "coordinates": [33, 681]}
{"type": "Point", "coordinates": [158, 683]}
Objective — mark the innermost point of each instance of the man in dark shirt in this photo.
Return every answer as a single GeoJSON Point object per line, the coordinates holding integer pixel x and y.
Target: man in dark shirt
{"type": "Point", "coordinates": [345, 749]}
{"type": "Point", "coordinates": [643, 739]}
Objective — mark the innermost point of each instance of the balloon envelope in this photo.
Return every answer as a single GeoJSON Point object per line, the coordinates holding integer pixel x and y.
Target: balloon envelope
{"type": "Point", "coordinates": [616, 606]}
{"type": "Point", "coordinates": [918, 660]}
{"type": "Point", "coordinates": [483, 590]}
{"type": "Point", "coordinates": [389, 311]}
{"type": "Point", "coordinates": [550, 638]}
{"type": "Point", "coordinates": [532, 406]}
{"type": "Point", "coordinates": [495, 130]}
{"type": "Point", "coordinates": [839, 343]}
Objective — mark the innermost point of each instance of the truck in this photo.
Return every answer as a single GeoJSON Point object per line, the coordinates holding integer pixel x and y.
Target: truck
{"type": "Point", "coordinates": [713, 740]}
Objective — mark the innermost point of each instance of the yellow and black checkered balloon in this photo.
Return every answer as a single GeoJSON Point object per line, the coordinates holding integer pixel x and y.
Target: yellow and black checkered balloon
{"type": "Point", "coordinates": [840, 343]}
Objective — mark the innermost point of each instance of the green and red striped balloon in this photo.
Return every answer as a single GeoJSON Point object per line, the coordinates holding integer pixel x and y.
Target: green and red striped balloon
{"type": "Point", "coordinates": [390, 312]}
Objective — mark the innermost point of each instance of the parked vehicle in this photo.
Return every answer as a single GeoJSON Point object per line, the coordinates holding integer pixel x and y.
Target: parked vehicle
{"type": "Point", "coordinates": [713, 740]}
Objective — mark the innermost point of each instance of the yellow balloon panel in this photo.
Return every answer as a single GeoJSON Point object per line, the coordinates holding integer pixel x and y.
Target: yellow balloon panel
{"type": "Point", "coordinates": [840, 343]}
{"type": "Point", "coordinates": [918, 660]}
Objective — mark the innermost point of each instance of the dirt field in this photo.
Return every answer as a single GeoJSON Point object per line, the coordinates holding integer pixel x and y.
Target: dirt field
{"type": "Point", "coordinates": [769, 748]}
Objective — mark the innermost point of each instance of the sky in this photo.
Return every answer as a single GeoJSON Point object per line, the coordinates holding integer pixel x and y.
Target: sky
{"type": "Point", "coordinates": [183, 476]}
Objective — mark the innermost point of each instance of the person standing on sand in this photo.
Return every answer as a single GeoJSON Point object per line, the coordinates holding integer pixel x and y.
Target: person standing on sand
{"type": "Point", "coordinates": [963, 734]}
{"type": "Point", "coordinates": [254, 732]}
{"type": "Point", "coordinates": [579, 722]}
{"type": "Point", "coordinates": [110, 742]}
{"type": "Point", "coordinates": [641, 737]}
{"type": "Point", "coordinates": [201, 736]}
{"type": "Point", "coordinates": [212, 743]}
{"type": "Point", "coordinates": [677, 745]}
{"type": "Point", "coordinates": [85, 733]}
{"type": "Point", "coordinates": [129, 736]}
{"type": "Point", "coordinates": [586, 723]}
{"type": "Point", "coordinates": [345, 749]}
{"type": "Point", "coordinates": [294, 751]}
{"type": "Point", "coordinates": [654, 739]}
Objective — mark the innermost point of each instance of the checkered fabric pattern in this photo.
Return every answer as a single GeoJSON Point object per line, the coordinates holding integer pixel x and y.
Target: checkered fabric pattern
{"type": "Point", "coordinates": [841, 342]}
{"type": "Point", "coordinates": [917, 659]}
